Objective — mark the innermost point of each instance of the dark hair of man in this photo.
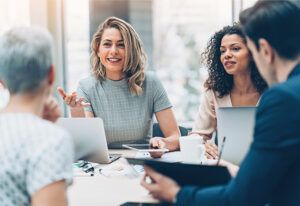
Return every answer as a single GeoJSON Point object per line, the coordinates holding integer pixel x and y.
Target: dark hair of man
{"type": "Point", "coordinates": [218, 79]}
{"type": "Point", "coordinates": [276, 21]}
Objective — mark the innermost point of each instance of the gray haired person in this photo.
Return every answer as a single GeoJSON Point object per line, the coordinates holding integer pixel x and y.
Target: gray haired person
{"type": "Point", "coordinates": [36, 156]}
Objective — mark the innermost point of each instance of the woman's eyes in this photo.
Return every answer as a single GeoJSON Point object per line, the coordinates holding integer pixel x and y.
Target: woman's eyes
{"type": "Point", "coordinates": [121, 45]}
{"type": "Point", "coordinates": [106, 44]}
{"type": "Point", "coordinates": [236, 49]}
{"type": "Point", "coordinates": [118, 45]}
{"type": "Point", "coordinates": [233, 49]}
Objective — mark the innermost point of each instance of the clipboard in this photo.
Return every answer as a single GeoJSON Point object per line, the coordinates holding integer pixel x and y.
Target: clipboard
{"type": "Point", "coordinates": [188, 174]}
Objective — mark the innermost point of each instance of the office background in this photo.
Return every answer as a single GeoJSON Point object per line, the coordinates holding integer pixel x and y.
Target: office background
{"type": "Point", "coordinates": [174, 33]}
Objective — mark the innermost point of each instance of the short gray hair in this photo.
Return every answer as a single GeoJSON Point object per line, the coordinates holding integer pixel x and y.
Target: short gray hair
{"type": "Point", "coordinates": [25, 58]}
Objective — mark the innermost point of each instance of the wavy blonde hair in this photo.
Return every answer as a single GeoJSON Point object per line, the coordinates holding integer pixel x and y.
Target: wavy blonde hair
{"type": "Point", "coordinates": [135, 57]}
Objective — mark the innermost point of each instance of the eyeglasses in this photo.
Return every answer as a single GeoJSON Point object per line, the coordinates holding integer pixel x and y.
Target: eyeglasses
{"type": "Point", "coordinates": [221, 150]}
{"type": "Point", "coordinates": [86, 166]}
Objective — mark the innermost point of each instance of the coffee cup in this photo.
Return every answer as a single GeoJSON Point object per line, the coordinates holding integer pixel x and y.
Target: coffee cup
{"type": "Point", "coordinates": [192, 149]}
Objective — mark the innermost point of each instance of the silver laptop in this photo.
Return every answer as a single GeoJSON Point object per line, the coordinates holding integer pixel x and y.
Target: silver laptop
{"type": "Point", "coordinates": [237, 125]}
{"type": "Point", "coordinates": [89, 139]}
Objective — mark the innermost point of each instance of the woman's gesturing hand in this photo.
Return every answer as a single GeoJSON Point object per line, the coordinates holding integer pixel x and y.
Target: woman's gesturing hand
{"type": "Point", "coordinates": [71, 99]}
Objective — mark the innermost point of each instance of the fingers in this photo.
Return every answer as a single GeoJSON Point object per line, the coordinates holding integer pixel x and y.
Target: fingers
{"type": "Point", "coordinates": [161, 187]}
{"type": "Point", "coordinates": [154, 142]}
{"type": "Point", "coordinates": [211, 150]}
{"type": "Point", "coordinates": [156, 154]}
{"type": "Point", "coordinates": [53, 105]}
{"type": "Point", "coordinates": [152, 174]}
{"type": "Point", "coordinates": [61, 92]}
{"type": "Point", "coordinates": [51, 110]}
{"type": "Point", "coordinates": [149, 187]}
{"type": "Point", "coordinates": [68, 99]}
{"type": "Point", "coordinates": [73, 99]}
{"type": "Point", "coordinates": [208, 156]}
{"type": "Point", "coordinates": [149, 173]}
{"type": "Point", "coordinates": [157, 142]}
{"type": "Point", "coordinates": [82, 102]}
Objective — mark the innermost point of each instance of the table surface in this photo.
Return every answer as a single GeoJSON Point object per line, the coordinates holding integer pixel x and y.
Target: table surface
{"type": "Point", "coordinates": [109, 190]}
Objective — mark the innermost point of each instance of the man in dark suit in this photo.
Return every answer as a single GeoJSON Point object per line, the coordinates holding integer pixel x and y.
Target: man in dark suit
{"type": "Point", "coordinates": [270, 173]}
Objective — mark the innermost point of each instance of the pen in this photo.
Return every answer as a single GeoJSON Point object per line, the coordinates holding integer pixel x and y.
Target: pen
{"type": "Point", "coordinates": [221, 150]}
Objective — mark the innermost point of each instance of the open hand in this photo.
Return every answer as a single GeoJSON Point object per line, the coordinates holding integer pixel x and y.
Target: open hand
{"type": "Point", "coordinates": [71, 99]}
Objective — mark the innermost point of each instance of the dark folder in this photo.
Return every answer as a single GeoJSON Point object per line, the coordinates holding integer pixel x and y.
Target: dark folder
{"type": "Point", "coordinates": [188, 174]}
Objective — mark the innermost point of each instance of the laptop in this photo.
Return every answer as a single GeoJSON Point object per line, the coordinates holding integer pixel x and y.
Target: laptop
{"type": "Point", "coordinates": [89, 139]}
{"type": "Point", "coordinates": [237, 125]}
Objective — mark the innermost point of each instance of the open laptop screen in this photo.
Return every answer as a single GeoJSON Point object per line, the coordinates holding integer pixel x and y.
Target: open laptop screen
{"type": "Point", "coordinates": [237, 125]}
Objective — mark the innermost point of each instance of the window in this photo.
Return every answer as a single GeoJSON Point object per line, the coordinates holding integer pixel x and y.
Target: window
{"type": "Point", "coordinates": [174, 35]}
{"type": "Point", "coordinates": [181, 32]}
{"type": "Point", "coordinates": [77, 41]}
{"type": "Point", "coordinates": [13, 13]}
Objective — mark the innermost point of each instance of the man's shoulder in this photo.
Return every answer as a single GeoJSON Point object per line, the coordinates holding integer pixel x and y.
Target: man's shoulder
{"type": "Point", "coordinates": [287, 92]}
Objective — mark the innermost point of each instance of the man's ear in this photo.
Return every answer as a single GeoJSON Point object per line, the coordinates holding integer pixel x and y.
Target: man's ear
{"type": "Point", "coordinates": [266, 51]}
{"type": "Point", "coordinates": [51, 75]}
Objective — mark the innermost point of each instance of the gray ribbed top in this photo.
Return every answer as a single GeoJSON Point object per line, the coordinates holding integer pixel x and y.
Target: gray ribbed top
{"type": "Point", "coordinates": [127, 118]}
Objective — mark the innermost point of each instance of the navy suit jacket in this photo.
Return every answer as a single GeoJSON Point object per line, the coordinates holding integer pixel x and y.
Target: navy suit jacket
{"type": "Point", "coordinates": [270, 172]}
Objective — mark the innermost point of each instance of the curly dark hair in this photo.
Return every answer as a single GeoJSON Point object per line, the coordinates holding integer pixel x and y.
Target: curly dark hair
{"type": "Point", "coordinates": [218, 79]}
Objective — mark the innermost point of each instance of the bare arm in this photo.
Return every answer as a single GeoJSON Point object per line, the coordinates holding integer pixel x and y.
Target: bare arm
{"type": "Point", "coordinates": [77, 112]}
{"type": "Point", "coordinates": [80, 113]}
{"type": "Point", "coordinates": [52, 195]}
{"type": "Point", "coordinates": [169, 127]}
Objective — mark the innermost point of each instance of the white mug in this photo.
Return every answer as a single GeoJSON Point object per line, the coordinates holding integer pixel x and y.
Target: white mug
{"type": "Point", "coordinates": [192, 149]}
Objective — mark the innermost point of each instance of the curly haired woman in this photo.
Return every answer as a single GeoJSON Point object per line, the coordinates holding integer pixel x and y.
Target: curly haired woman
{"type": "Point", "coordinates": [233, 80]}
{"type": "Point", "coordinates": [119, 91]}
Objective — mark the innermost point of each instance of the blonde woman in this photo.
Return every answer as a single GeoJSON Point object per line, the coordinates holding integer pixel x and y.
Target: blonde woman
{"type": "Point", "coordinates": [119, 91]}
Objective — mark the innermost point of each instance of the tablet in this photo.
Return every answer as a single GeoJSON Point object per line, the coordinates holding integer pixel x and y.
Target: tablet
{"type": "Point", "coordinates": [144, 148]}
{"type": "Point", "coordinates": [188, 174]}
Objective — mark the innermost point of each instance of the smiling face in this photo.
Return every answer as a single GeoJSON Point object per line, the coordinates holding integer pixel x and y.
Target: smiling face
{"type": "Point", "coordinates": [111, 52]}
{"type": "Point", "coordinates": [235, 55]}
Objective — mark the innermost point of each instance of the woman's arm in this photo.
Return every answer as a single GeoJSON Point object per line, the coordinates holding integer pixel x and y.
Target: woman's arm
{"type": "Point", "coordinates": [169, 127]}
{"type": "Point", "coordinates": [206, 121]}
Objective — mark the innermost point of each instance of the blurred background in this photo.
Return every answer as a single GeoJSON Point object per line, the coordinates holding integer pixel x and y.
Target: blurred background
{"type": "Point", "coordinates": [174, 33]}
